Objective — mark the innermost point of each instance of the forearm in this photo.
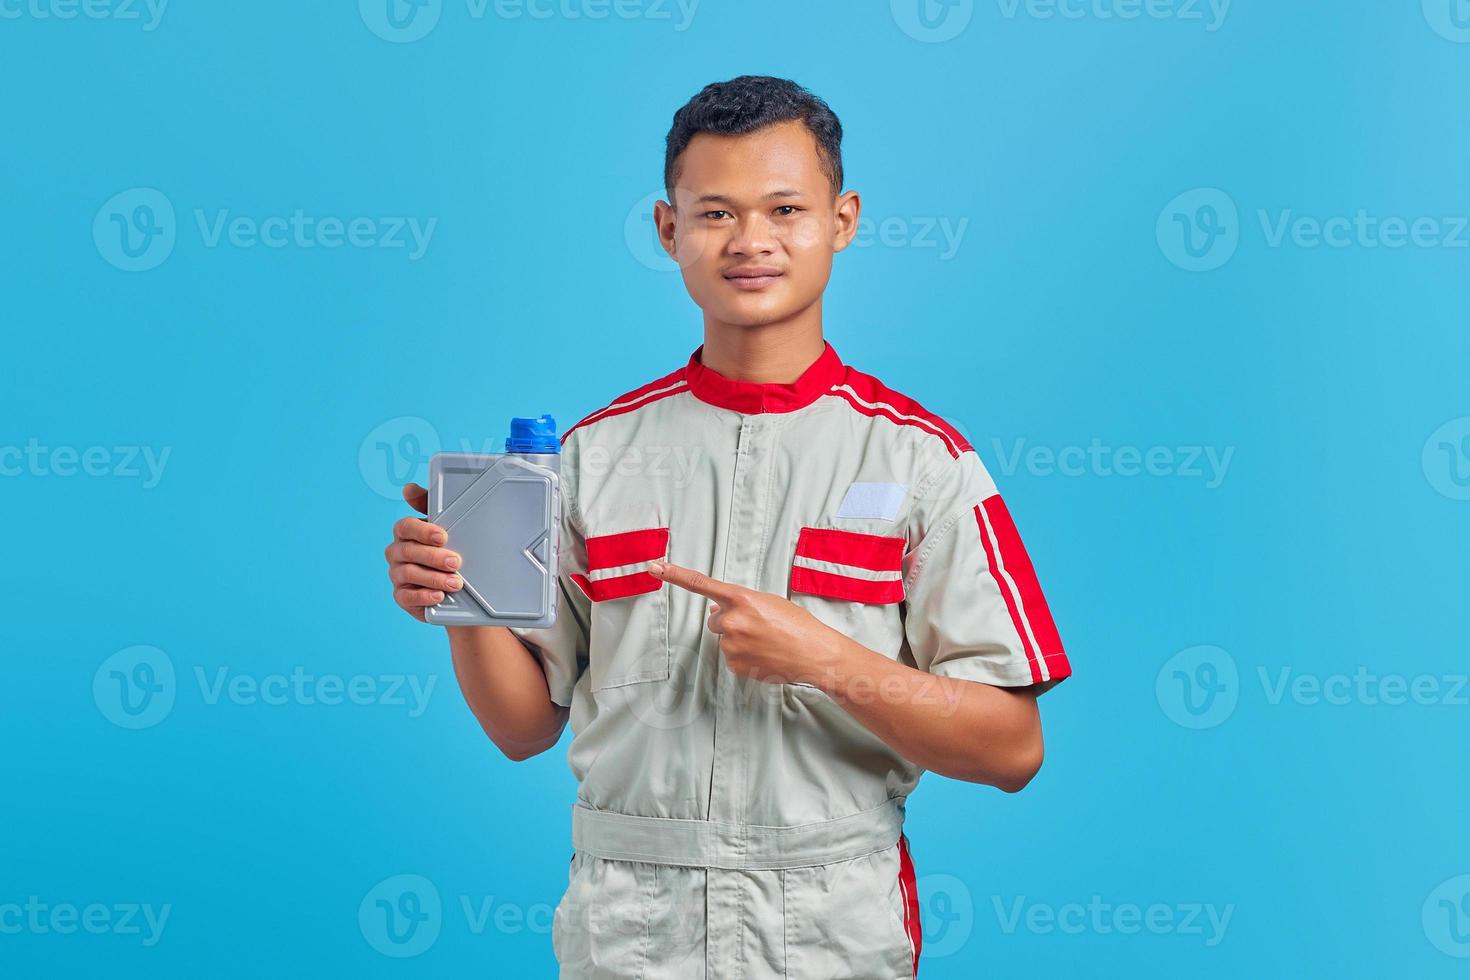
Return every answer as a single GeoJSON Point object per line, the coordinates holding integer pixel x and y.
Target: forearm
{"type": "Point", "coordinates": [505, 688]}
{"type": "Point", "coordinates": [958, 728]}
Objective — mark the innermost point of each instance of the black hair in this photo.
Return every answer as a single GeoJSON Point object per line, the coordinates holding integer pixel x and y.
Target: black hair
{"type": "Point", "coordinates": [750, 102]}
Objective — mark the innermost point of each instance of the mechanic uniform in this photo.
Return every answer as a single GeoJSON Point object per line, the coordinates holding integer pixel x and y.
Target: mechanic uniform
{"type": "Point", "coordinates": [735, 828]}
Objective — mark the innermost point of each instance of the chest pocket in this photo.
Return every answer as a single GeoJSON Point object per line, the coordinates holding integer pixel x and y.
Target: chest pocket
{"type": "Point", "coordinates": [853, 582]}
{"type": "Point", "coordinates": [629, 638]}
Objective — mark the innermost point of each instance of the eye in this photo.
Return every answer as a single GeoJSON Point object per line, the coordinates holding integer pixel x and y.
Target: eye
{"type": "Point", "coordinates": [714, 214]}
{"type": "Point", "coordinates": [786, 210]}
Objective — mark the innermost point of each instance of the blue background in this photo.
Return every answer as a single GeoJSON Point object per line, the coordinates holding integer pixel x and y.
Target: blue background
{"type": "Point", "coordinates": [1336, 540]}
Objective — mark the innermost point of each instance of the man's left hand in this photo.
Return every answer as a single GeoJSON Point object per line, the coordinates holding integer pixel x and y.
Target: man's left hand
{"type": "Point", "coordinates": [762, 635]}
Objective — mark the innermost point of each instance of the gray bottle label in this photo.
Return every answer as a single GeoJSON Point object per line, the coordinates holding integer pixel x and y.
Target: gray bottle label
{"type": "Point", "coordinates": [502, 512]}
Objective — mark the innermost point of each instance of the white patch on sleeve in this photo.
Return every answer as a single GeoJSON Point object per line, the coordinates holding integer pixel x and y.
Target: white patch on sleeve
{"type": "Point", "coordinates": [878, 500]}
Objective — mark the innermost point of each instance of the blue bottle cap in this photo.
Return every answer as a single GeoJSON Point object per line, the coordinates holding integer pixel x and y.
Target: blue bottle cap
{"type": "Point", "coordinates": [533, 435]}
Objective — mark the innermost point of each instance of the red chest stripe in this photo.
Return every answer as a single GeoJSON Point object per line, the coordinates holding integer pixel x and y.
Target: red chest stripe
{"type": "Point", "coordinates": [612, 550]}
{"type": "Point", "coordinates": [873, 551]}
{"type": "Point", "coordinates": [609, 551]}
{"type": "Point", "coordinates": [856, 552]}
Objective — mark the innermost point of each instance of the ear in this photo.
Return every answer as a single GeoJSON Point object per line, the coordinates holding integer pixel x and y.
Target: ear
{"type": "Point", "coordinates": [846, 210]}
{"type": "Point", "coordinates": [664, 218]}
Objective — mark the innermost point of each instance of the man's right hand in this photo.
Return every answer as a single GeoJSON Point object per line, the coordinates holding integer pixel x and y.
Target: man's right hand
{"type": "Point", "coordinates": [419, 565]}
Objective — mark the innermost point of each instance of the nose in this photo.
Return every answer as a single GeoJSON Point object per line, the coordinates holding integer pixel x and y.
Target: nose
{"type": "Point", "coordinates": [753, 236]}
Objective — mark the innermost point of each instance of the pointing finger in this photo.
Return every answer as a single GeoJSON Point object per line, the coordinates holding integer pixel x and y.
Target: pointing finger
{"type": "Point", "coordinates": [696, 582]}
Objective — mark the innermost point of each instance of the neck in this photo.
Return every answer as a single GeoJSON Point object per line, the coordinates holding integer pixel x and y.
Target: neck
{"type": "Point", "coordinates": [769, 353]}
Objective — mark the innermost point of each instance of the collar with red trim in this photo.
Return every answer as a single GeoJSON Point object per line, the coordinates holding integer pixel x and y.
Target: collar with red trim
{"type": "Point", "coordinates": [755, 398]}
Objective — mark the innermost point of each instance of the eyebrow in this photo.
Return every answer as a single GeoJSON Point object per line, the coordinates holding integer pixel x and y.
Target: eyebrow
{"type": "Point", "coordinates": [722, 199]}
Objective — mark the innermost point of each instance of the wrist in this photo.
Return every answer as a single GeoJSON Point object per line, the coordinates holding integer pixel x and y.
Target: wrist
{"type": "Point", "coordinates": [837, 657]}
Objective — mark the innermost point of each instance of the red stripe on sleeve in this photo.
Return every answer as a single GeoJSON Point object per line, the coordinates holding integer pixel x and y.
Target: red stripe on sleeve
{"type": "Point", "coordinates": [632, 400]}
{"type": "Point", "coordinates": [1004, 584]}
{"type": "Point", "coordinates": [1018, 563]}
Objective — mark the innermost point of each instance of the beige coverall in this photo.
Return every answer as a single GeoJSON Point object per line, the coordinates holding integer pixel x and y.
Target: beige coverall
{"type": "Point", "coordinates": [739, 829]}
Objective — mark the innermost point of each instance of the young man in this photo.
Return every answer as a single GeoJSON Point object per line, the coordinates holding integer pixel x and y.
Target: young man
{"type": "Point", "coordinates": [762, 644]}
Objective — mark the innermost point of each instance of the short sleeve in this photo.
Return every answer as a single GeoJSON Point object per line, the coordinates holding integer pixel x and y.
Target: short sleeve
{"type": "Point", "coordinates": [562, 646]}
{"type": "Point", "coordinates": [973, 605]}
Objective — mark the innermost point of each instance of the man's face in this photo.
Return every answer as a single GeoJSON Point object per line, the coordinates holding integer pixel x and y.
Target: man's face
{"type": "Point", "coordinates": [755, 224]}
